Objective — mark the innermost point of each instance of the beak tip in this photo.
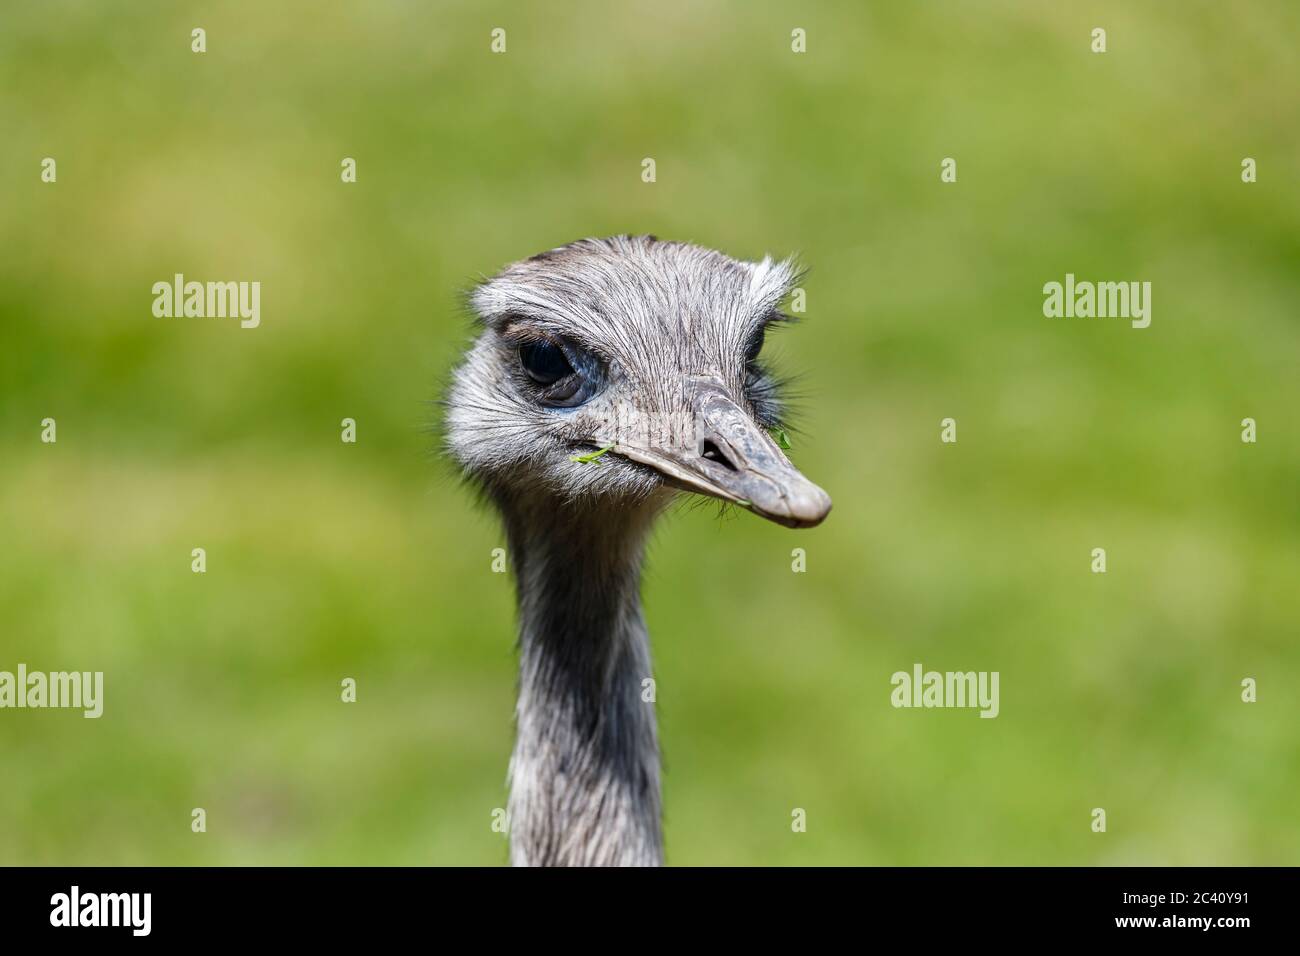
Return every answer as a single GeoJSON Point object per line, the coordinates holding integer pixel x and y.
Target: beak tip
{"type": "Point", "coordinates": [806, 510]}
{"type": "Point", "coordinates": [815, 515]}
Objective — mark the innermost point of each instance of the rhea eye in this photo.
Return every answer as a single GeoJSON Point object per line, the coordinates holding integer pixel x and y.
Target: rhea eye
{"type": "Point", "coordinates": [563, 374]}
{"type": "Point", "coordinates": [544, 362]}
{"type": "Point", "coordinates": [755, 346]}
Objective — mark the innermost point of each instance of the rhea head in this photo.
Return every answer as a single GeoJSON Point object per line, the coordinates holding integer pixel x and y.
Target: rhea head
{"type": "Point", "coordinates": [611, 374]}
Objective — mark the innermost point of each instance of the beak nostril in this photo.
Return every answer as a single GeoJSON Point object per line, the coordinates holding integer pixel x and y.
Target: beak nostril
{"type": "Point", "coordinates": [713, 453]}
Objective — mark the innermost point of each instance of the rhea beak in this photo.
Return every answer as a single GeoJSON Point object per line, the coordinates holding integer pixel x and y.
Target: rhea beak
{"type": "Point", "coordinates": [734, 458]}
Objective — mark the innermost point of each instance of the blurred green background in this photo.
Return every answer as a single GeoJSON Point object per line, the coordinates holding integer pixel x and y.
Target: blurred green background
{"type": "Point", "coordinates": [328, 560]}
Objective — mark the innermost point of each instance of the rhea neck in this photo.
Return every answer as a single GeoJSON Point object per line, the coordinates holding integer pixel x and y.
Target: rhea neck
{"type": "Point", "coordinates": [585, 770]}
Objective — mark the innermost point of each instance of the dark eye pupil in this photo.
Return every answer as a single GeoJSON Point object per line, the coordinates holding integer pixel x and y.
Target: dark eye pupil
{"type": "Point", "coordinates": [544, 362]}
{"type": "Point", "coordinates": [755, 346]}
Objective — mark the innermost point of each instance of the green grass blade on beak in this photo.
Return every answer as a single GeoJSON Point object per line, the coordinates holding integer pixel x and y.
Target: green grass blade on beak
{"type": "Point", "coordinates": [588, 458]}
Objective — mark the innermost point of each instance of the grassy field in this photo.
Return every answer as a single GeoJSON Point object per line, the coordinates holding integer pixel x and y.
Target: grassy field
{"type": "Point", "coordinates": [327, 560]}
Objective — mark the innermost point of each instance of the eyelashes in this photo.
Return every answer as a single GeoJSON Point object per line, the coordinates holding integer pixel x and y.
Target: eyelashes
{"type": "Point", "coordinates": [764, 392]}
{"type": "Point", "coordinates": [755, 345]}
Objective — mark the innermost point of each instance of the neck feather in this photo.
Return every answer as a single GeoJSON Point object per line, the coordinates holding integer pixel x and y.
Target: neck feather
{"type": "Point", "coordinates": [585, 770]}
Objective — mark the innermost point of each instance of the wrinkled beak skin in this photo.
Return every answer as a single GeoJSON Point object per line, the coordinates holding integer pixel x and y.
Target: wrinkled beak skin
{"type": "Point", "coordinates": [732, 457]}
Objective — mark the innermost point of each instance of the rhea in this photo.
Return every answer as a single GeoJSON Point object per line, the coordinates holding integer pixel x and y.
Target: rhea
{"type": "Point", "coordinates": [608, 376]}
